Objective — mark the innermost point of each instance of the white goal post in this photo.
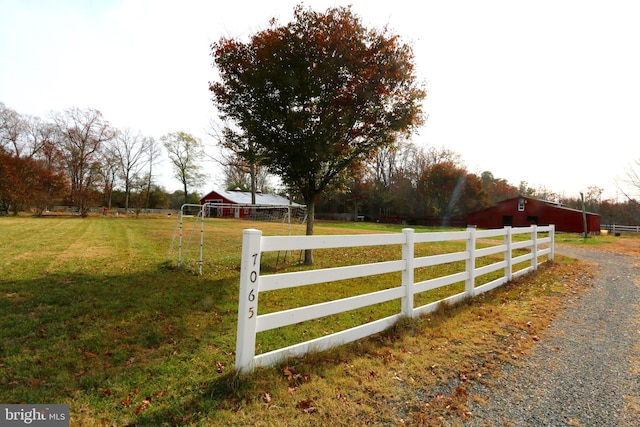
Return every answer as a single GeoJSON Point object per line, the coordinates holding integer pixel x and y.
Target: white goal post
{"type": "Point", "coordinates": [285, 214]}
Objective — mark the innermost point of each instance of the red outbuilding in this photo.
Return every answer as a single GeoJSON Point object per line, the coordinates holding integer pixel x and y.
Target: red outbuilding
{"type": "Point", "coordinates": [524, 211]}
{"type": "Point", "coordinates": [237, 204]}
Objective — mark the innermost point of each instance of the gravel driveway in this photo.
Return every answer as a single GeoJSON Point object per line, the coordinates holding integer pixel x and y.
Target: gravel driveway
{"type": "Point", "coordinates": [586, 371]}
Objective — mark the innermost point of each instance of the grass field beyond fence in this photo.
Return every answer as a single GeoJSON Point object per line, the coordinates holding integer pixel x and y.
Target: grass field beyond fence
{"type": "Point", "coordinates": [93, 313]}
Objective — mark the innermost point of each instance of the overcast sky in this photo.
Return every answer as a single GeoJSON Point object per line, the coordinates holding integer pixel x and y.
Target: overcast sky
{"type": "Point", "coordinates": [546, 92]}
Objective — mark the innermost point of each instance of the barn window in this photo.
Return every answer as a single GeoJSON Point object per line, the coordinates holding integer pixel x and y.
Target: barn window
{"type": "Point", "coordinates": [521, 203]}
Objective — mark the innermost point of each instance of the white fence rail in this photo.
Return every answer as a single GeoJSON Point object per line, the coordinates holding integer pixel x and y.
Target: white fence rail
{"type": "Point", "coordinates": [616, 228]}
{"type": "Point", "coordinates": [253, 283]}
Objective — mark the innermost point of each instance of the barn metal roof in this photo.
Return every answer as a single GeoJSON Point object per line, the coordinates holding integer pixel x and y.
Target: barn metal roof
{"type": "Point", "coordinates": [244, 198]}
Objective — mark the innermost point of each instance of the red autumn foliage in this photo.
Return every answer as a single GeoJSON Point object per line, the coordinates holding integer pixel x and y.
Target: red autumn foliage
{"type": "Point", "coordinates": [26, 182]}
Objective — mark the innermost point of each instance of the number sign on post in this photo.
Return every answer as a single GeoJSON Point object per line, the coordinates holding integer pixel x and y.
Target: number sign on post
{"type": "Point", "coordinates": [248, 303]}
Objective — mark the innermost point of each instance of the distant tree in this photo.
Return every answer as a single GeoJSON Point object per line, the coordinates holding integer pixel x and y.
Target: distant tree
{"type": "Point", "coordinates": [131, 152]}
{"type": "Point", "coordinates": [240, 159]}
{"type": "Point", "coordinates": [37, 133]}
{"type": "Point", "coordinates": [139, 193]}
{"type": "Point", "coordinates": [474, 196]}
{"type": "Point", "coordinates": [396, 173]}
{"type": "Point", "coordinates": [109, 170]}
{"type": "Point", "coordinates": [631, 182]}
{"type": "Point", "coordinates": [81, 134]}
{"type": "Point", "coordinates": [12, 129]}
{"type": "Point", "coordinates": [27, 183]}
{"type": "Point", "coordinates": [449, 190]}
{"type": "Point", "coordinates": [185, 152]}
{"type": "Point", "coordinates": [497, 189]}
{"type": "Point", "coordinates": [593, 198]}
{"type": "Point", "coordinates": [240, 174]}
{"type": "Point", "coordinates": [153, 156]}
{"type": "Point", "coordinates": [525, 190]}
{"type": "Point", "coordinates": [316, 97]}
{"type": "Point", "coordinates": [158, 198]}
{"type": "Point", "coordinates": [176, 199]}
{"type": "Point", "coordinates": [8, 181]}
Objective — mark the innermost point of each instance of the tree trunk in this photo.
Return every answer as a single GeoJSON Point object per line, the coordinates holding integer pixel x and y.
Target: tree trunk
{"type": "Point", "coordinates": [252, 174]}
{"type": "Point", "coordinates": [148, 197]}
{"type": "Point", "coordinates": [308, 253]}
{"type": "Point", "coordinates": [127, 191]}
{"type": "Point", "coordinates": [186, 197]}
{"type": "Point", "coordinates": [355, 211]}
{"type": "Point", "coordinates": [584, 218]}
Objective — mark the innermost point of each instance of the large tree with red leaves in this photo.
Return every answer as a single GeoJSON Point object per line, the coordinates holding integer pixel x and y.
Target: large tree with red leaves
{"type": "Point", "coordinates": [26, 182]}
{"type": "Point", "coordinates": [313, 98]}
{"type": "Point", "coordinates": [449, 190]}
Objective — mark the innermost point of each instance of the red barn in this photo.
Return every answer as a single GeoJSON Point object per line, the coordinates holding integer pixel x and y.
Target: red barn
{"type": "Point", "coordinates": [525, 211]}
{"type": "Point", "coordinates": [237, 204]}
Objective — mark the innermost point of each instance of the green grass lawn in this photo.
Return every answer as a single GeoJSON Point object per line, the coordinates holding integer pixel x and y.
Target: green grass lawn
{"type": "Point", "coordinates": [93, 313]}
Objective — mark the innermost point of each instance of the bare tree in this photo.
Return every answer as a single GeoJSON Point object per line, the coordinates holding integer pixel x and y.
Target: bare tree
{"type": "Point", "coordinates": [631, 181]}
{"type": "Point", "coordinates": [238, 173]}
{"type": "Point", "coordinates": [37, 133]}
{"type": "Point", "coordinates": [131, 151]}
{"type": "Point", "coordinates": [12, 130]}
{"type": "Point", "coordinates": [240, 159]}
{"type": "Point", "coordinates": [153, 156]}
{"type": "Point", "coordinates": [185, 152]}
{"type": "Point", "coordinates": [110, 168]}
{"type": "Point", "coordinates": [81, 134]}
{"type": "Point", "coordinates": [24, 135]}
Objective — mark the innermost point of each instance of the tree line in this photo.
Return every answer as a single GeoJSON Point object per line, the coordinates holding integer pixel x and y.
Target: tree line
{"type": "Point", "coordinates": [77, 158]}
{"type": "Point", "coordinates": [432, 186]}
{"type": "Point", "coordinates": [427, 185]}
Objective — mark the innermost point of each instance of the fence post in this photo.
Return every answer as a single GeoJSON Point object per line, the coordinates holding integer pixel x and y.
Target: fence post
{"type": "Point", "coordinates": [552, 242]}
{"type": "Point", "coordinates": [470, 284]}
{"type": "Point", "coordinates": [201, 240]}
{"type": "Point", "coordinates": [248, 302]}
{"type": "Point", "coordinates": [508, 257]}
{"type": "Point", "coordinates": [180, 239]}
{"type": "Point", "coordinates": [408, 253]}
{"type": "Point", "coordinates": [534, 247]}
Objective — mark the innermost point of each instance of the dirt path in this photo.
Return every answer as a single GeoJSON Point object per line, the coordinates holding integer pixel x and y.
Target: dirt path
{"type": "Point", "coordinates": [586, 372]}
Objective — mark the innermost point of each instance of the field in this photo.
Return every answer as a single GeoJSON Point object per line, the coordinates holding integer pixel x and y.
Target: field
{"type": "Point", "coordinates": [94, 313]}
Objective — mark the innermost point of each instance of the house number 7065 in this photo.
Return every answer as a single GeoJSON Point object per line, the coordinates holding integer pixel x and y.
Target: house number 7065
{"type": "Point", "coordinates": [253, 277]}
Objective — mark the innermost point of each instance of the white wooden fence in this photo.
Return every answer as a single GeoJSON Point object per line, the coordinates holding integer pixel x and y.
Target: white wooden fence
{"type": "Point", "coordinates": [252, 282]}
{"type": "Point", "coordinates": [617, 228]}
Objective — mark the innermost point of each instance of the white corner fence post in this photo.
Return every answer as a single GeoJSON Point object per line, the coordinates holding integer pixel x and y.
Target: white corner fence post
{"type": "Point", "coordinates": [248, 302]}
{"type": "Point", "coordinates": [508, 255]}
{"type": "Point", "coordinates": [534, 247]}
{"type": "Point", "coordinates": [180, 238]}
{"type": "Point", "coordinates": [552, 241]}
{"type": "Point", "coordinates": [200, 262]}
{"type": "Point", "coordinates": [408, 253]}
{"type": "Point", "coordinates": [470, 283]}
